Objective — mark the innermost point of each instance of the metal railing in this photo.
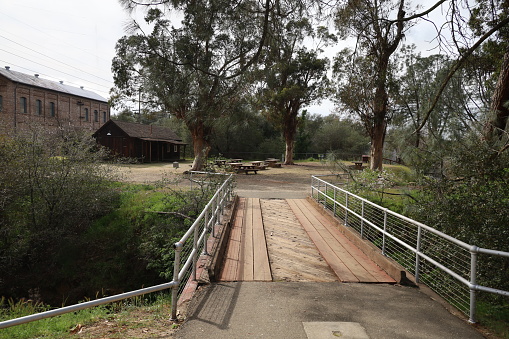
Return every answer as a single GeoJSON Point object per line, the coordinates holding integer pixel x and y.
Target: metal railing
{"type": "Point", "coordinates": [187, 251]}
{"type": "Point", "coordinates": [445, 264]}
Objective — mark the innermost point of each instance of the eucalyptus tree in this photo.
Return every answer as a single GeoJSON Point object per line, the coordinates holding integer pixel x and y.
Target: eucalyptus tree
{"type": "Point", "coordinates": [364, 75]}
{"type": "Point", "coordinates": [293, 76]}
{"type": "Point", "coordinates": [480, 34]}
{"type": "Point", "coordinates": [488, 16]}
{"type": "Point", "coordinates": [456, 111]}
{"type": "Point", "coordinates": [198, 70]}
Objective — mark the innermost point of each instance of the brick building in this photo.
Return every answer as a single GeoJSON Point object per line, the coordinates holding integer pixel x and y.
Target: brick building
{"type": "Point", "coordinates": [28, 101]}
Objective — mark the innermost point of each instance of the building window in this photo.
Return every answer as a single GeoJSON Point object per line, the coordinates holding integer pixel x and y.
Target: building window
{"type": "Point", "coordinates": [104, 116]}
{"type": "Point", "coordinates": [38, 107]}
{"type": "Point", "coordinates": [86, 114]}
{"type": "Point", "coordinates": [23, 105]}
{"type": "Point", "coordinates": [175, 148]}
{"type": "Point", "coordinates": [1, 103]}
{"type": "Point", "coordinates": [52, 109]}
{"type": "Point", "coordinates": [96, 116]}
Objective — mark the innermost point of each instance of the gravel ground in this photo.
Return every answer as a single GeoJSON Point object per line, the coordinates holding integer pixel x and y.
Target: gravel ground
{"type": "Point", "coordinates": [289, 181]}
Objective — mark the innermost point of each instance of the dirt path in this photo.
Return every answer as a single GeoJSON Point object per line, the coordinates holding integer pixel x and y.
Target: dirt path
{"type": "Point", "coordinates": [289, 181]}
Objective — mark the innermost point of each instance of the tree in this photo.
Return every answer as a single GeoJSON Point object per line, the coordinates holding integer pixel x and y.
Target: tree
{"type": "Point", "coordinates": [52, 187]}
{"type": "Point", "coordinates": [294, 77]}
{"type": "Point", "coordinates": [364, 74]}
{"type": "Point", "coordinates": [199, 70]}
{"type": "Point", "coordinates": [342, 136]}
{"type": "Point", "coordinates": [421, 76]}
{"type": "Point", "coordinates": [486, 16]}
{"type": "Point", "coordinates": [195, 72]}
{"type": "Point", "coordinates": [485, 31]}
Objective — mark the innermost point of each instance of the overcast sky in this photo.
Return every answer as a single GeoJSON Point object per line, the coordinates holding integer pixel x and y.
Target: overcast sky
{"type": "Point", "coordinates": [74, 41]}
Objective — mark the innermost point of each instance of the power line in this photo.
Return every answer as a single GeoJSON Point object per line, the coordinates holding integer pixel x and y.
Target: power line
{"type": "Point", "coordinates": [52, 77]}
{"type": "Point", "coordinates": [53, 37]}
{"type": "Point", "coordinates": [38, 63]}
{"type": "Point", "coordinates": [63, 63]}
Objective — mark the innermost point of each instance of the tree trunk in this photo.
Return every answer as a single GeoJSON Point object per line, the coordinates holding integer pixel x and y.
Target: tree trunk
{"type": "Point", "coordinates": [495, 127]}
{"type": "Point", "coordinates": [377, 146]}
{"type": "Point", "coordinates": [201, 145]}
{"type": "Point", "coordinates": [289, 151]}
{"type": "Point", "coordinates": [290, 130]}
{"type": "Point", "coordinates": [201, 152]}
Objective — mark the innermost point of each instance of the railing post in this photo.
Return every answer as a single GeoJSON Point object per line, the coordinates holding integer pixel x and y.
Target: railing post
{"type": "Point", "coordinates": [417, 254]}
{"type": "Point", "coordinates": [334, 202]}
{"type": "Point", "coordinates": [176, 268]}
{"type": "Point", "coordinates": [218, 208]}
{"type": "Point", "coordinates": [362, 219]}
{"type": "Point", "coordinates": [325, 197]}
{"type": "Point", "coordinates": [318, 192]}
{"type": "Point", "coordinates": [206, 231]}
{"type": "Point", "coordinates": [346, 209]}
{"type": "Point", "coordinates": [213, 208]}
{"type": "Point", "coordinates": [385, 230]}
{"type": "Point", "coordinates": [473, 283]}
{"type": "Point", "coordinates": [196, 235]}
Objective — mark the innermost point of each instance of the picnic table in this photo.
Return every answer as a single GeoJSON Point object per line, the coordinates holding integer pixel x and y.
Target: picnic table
{"type": "Point", "coordinates": [358, 165]}
{"type": "Point", "coordinates": [272, 163]}
{"type": "Point", "coordinates": [236, 160]}
{"type": "Point", "coordinates": [259, 164]}
{"type": "Point", "coordinates": [247, 168]}
{"type": "Point", "coordinates": [235, 164]}
{"type": "Point", "coordinates": [220, 162]}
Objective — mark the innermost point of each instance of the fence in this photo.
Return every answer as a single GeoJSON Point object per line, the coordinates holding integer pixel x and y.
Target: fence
{"type": "Point", "coordinates": [445, 264]}
{"type": "Point", "coordinates": [187, 250]}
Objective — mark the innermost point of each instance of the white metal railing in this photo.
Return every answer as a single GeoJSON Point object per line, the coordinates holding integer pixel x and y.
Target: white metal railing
{"type": "Point", "coordinates": [443, 263]}
{"type": "Point", "coordinates": [187, 250]}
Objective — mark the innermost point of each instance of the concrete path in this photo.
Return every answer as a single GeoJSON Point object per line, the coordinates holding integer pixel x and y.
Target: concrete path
{"type": "Point", "coordinates": [318, 310]}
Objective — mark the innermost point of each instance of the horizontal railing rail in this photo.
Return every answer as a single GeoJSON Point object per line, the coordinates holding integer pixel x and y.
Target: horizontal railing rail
{"type": "Point", "coordinates": [443, 263]}
{"type": "Point", "coordinates": [187, 249]}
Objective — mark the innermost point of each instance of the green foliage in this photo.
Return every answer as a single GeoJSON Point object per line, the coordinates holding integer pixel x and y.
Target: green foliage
{"type": "Point", "coordinates": [52, 186]}
{"type": "Point", "coordinates": [470, 203]}
{"type": "Point", "coordinates": [340, 136]}
{"type": "Point", "coordinates": [55, 327]}
{"type": "Point", "coordinates": [495, 317]}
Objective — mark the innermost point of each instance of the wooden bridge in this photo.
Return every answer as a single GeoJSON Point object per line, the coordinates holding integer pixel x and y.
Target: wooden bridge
{"type": "Point", "coordinates": [289, 240]}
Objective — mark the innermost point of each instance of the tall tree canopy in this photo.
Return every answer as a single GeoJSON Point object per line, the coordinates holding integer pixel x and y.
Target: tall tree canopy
{"type": "Point", "coordinates": [292, 77]}
{"type": "Point", "coordinates": [195, 71]}
{"type": "Point", "coordinates": [364, 74]}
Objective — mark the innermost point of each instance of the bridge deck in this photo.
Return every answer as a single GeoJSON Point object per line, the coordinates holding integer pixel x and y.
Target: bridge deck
{"type": "Point", "coordinates": [249, 259]}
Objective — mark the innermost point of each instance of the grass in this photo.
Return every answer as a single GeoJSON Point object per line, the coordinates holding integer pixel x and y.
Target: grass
{"type": "Point", "coordinates": [55, 327]}
{"type": "Point", "coordinates": [149, 312]}
{"type": "Point", "coordinates": [494, 317]}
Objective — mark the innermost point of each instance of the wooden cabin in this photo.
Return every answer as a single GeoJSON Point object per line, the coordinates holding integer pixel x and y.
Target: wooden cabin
{"type": "Point", "coordinates": [146, 143]}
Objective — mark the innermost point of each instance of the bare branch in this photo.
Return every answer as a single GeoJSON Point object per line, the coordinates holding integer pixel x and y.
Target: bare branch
{"type": "Point", "coordinates": [456, 66]}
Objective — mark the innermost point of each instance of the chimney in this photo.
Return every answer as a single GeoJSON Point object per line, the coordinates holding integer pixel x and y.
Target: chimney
{"type": "Point", "coordinates": [36, 75]}
{"type": "Point", "coordinates": [7, 67]}
{"type": "Point", "coordinates": [82, 87]}
{"type": "Point", "coordinates": [61, 82]}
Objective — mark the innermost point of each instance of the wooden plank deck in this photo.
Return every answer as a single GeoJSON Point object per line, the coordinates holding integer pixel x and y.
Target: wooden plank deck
{"type": "Point", "coordinates": [247, 257]}
{"type": "Point", "coordinates": [348, 262]}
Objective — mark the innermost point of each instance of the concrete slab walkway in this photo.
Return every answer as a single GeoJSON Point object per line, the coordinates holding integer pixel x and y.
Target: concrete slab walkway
{"type": "Point", "coordinates": [293, 309]}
